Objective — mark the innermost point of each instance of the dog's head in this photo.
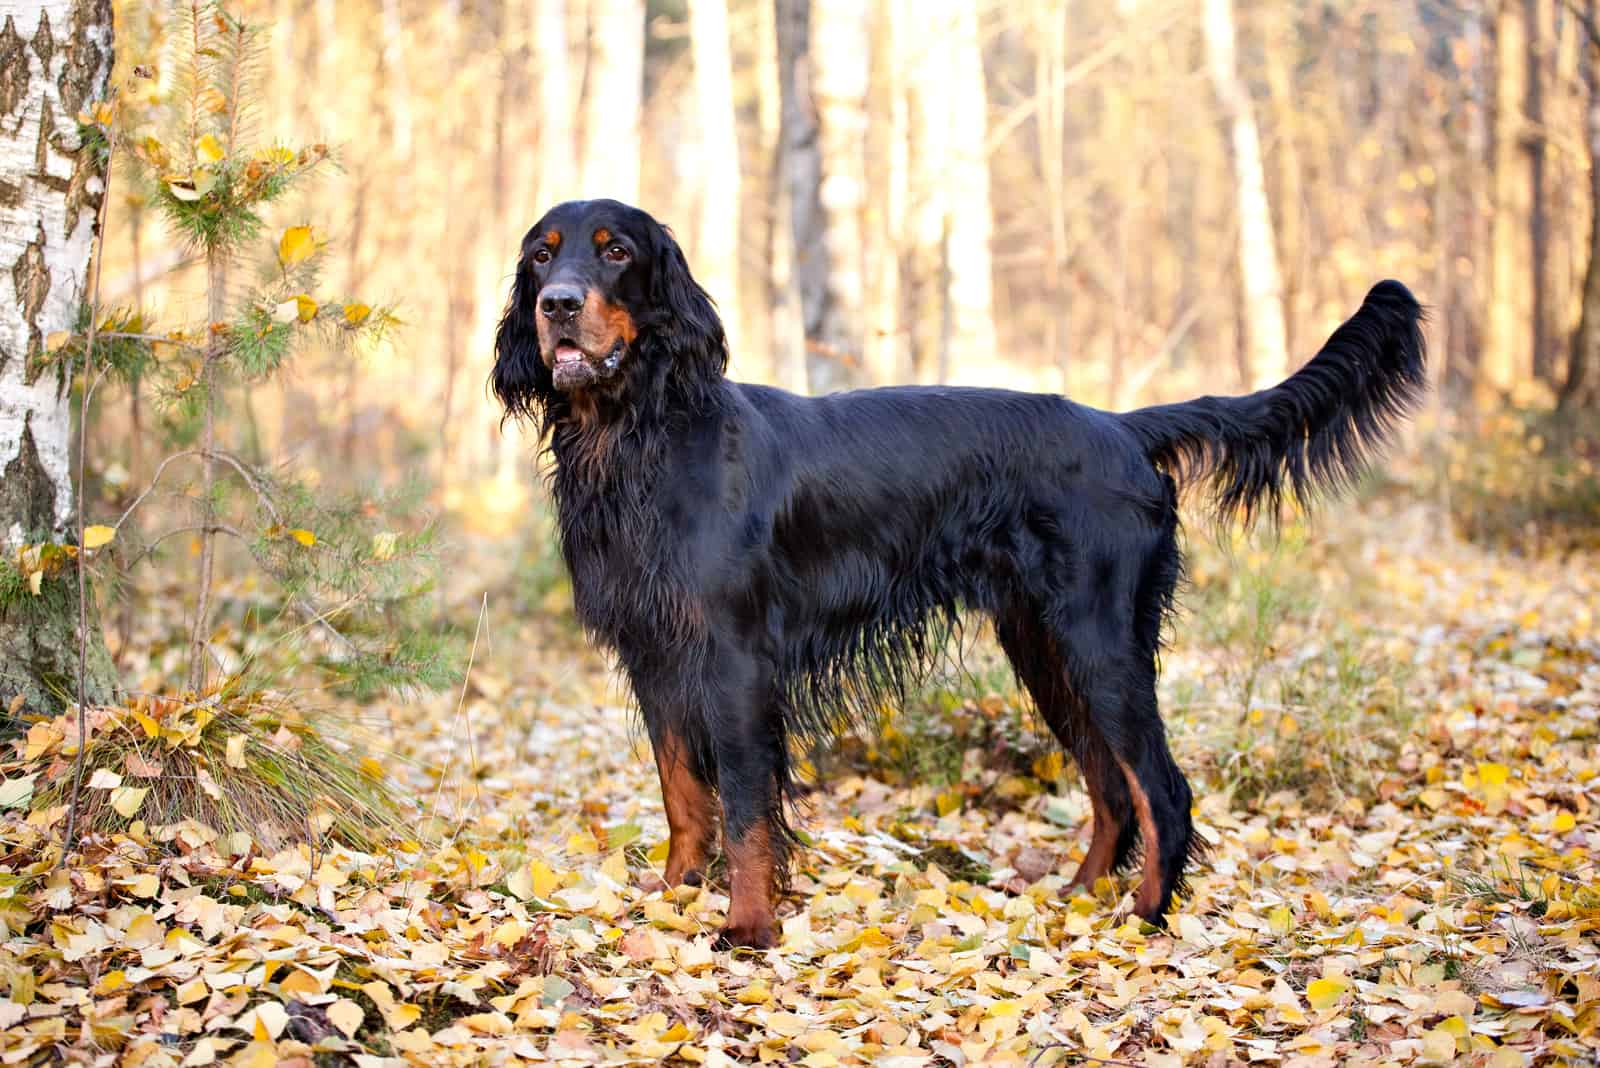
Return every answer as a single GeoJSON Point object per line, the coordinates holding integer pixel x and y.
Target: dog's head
{"type": "Point", "coordinates": [603, 297]}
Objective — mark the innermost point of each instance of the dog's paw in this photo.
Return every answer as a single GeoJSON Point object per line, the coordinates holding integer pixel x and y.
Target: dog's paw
{"type": "Point", "coordinates": [653, 883]}
{"type": "Point", "coordinates": [751, 936]}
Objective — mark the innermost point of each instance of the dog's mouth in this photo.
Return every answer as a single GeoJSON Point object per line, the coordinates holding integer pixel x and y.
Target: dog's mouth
{"type": "Point", "coordinates": [574, 367]}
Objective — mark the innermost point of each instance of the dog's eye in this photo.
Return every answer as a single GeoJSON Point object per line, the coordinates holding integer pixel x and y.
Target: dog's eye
{"type": "Point", "coordinates": [541, 255]}
{"type": "Point", "coordinates": [617, 254]}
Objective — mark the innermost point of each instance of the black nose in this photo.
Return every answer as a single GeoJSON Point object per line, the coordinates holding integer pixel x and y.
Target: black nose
{"type": "Point", "coordinates": [560, 303]}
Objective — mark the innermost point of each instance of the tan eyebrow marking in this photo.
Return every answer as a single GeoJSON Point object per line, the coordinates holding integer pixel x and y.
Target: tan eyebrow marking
{"type": "Point", "coordinates": [602, 235]}
{"type": "Point", "coordinates": [553, 238]}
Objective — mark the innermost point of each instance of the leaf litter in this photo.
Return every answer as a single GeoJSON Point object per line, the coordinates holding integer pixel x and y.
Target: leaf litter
{"type": "Point", "coordinates": [1437, 905]}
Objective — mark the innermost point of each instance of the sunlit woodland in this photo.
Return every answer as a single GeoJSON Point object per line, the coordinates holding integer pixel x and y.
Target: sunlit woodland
{"type": "Point", "coordinates": [306, 758]}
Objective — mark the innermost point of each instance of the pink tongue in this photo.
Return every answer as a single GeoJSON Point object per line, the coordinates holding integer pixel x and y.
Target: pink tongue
{"type": "Point", "coordinates": [568, 353]}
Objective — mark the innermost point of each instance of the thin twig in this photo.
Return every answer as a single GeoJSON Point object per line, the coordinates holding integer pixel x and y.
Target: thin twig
{"type": "Point", "coordinates": [80, 759]}
{"type": "Point", "coordinates": [466, 679]}
{"type": "Point", "coordinates": [1073, 1051]}
{"type": "Point", "coordinates": [137, 501]}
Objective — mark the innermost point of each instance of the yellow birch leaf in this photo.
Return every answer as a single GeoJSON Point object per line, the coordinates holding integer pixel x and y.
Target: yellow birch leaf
{"type": "Point", "coordinates": [208, 149]}
{"type": "Point", "coordinates": [299, 981]}
{"type": "Point", "coordinates": [544, 880]}
{"type": "Point", "coordinates": [356, 314]}
{"type": "Point", "coordinates": [1325, 993]}
{"type": "Point", "coordinates": [304, 537]}
{"type": "Point", "coordinates": [305, 308]}
{"type": "Point", "coordinates": [296, 245]}
{"type": "Point", "coordinates": [346, 1015]}
{"type": "Point", "coordinates": [211, 99]}
{"type": "Point", "coordinates": [127, 799]}
{"type": "Point", "coordinates": [97, 535]}
{"type": "Point", "coordinates": [235, 750]}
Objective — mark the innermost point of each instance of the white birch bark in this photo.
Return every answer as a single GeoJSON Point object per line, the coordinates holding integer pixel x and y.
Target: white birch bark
{"type": "Point", "coordinates": [55, 61]}
{"type": "Point", "coordinates": [55, 58]}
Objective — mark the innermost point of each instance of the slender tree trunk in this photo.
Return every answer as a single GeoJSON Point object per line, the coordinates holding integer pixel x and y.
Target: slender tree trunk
{"type": "Point", "coordinates": [614, 103]}
{"type": "Point", "coordinates": [1537, 13]}
{"type": "Point", "coordinates": [822, 55]}
{"type": "Point", "coordinates": [949, 275]}
{"type": "Point", "coordinates": [717, 244]}
{"type": "Point", "coordinates": [1280, 55]}
{"type": "Point", "coordinates": [786, 323]}
{"type": "Point", "coordinates": [200, 635]}
{"type": "Point", "coordinates": [1581, 390]}
{"type": "Point", "coordinates": [555, 177]}
{"type": "Point", "coordinates": [1507, 356]}
{"type": "Point", "coordinates": [885, 352]}
{"type": "Point", "coordinates": [971, 228]}
{"type": "Point", "coordinates": [1258, 256]}
{"type": "Point", "coordinates": [1049, 83]}
{"type": "Point", "coordinates": [56, 60]}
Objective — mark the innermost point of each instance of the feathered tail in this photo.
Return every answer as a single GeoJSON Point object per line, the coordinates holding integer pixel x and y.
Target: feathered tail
{"type": "Point", "coordinates": [1314, 433]}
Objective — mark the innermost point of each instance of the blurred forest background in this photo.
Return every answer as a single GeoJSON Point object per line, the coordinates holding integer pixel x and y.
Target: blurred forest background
{"type": "Point", "coordinates": [1126, 202]}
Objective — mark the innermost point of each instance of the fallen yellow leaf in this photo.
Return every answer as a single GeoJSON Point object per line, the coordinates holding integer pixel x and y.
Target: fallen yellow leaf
{"type": "Point", "coordinates": [346, 1015]}
{"type": "Point", "coordinates": [127, 799]}
{"type": "Point", "coordinates": [1325, 993]}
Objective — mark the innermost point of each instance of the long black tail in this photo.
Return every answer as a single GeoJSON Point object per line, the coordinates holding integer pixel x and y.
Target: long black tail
{"type": "Point", "coordinates": [1314, 433]}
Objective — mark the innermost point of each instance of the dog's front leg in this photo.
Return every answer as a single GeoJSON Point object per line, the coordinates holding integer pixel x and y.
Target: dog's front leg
{"type": "Point", "coordinates": [749, 741]}
{"type": "Point", "coordinates": [690, 805]}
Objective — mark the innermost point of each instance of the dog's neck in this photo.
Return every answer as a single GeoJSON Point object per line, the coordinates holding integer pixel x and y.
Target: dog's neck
{"type": "Point", "coordinates": [626, 420]}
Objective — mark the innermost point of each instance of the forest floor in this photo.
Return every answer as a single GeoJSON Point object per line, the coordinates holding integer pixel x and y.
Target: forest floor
{"type": "Point", "coordinates": [1394, 740]}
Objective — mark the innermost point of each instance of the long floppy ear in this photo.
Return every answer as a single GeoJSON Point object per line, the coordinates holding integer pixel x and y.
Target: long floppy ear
{"type": "Point", "coordinates": [520, 379]}
{"type": "Point", "coordinates": [685, 322]}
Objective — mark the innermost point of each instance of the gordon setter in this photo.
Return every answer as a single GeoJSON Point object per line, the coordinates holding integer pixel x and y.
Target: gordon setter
{"type": "Point", "coordinates": [769, 567]}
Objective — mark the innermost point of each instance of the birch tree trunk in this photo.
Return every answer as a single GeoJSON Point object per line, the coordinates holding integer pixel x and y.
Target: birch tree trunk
{"type": "Point", "coordinates": [55, 58]}
{"type": "Point", "coordinates": [1266, 346]}
{"type": "Point", "coordinates": [716, 251]}
{"type": "Point", "coordinates": [614, 101]}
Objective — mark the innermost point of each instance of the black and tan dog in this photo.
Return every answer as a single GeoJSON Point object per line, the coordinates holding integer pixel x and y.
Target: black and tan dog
{"type": "Point", "coordinates": [768, 567]}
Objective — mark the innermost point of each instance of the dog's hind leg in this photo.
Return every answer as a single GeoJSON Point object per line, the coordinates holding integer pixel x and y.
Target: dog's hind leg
{"type": "Point", "coordinates": [1035, 657]}
{"type": "Point", "coordinates": [1122, 703]}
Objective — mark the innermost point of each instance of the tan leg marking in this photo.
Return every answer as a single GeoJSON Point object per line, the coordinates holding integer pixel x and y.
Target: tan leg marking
{"type": "Point", "coordinates": [1149, 897]}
